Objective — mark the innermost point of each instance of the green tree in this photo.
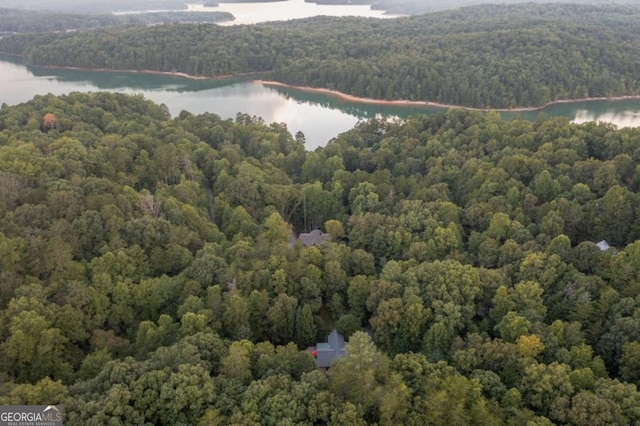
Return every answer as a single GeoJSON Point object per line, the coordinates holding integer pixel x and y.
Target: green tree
{"type": "Point", "coordinates": [358, 376]}
{"type": "Point", "coordinates": [630, 362]}
{"type": "Point", "coordinates": [282, 315]}
{"type": "Point", "coordinates": [34, 349]}
{"type": "Point", "coordinates": [306, 333]}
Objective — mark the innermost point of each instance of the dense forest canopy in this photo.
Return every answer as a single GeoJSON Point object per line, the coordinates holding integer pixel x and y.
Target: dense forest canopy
{"type": "Point", "coordinates": [485, 56]}
{"type": "Point", "coordinates": [416, 7]}
{"type": "Point", "coordinates": [147, 274]}
{"type": "Point", "coordinates": [25, 21]}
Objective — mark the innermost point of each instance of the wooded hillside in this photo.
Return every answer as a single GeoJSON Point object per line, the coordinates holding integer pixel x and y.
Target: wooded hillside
{"type": "Point", "coordinates": [146, 275]}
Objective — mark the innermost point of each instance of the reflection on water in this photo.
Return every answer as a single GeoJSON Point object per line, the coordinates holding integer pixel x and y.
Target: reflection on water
{"type": "Point", "coordinates": [622, 113]}
{"type": "Point", "coordinates": [253, 13]}
{"type": "Point", "coordinates": [225, 97]}
{"type": "Point", "coordinates": [117, 80]}
{"type": "Point", "coordinates": [320, 117]}
{"type": "Point", "coordinates": [619, 118]}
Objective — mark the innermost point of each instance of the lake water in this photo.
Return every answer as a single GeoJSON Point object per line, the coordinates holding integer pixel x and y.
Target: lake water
{"type": "Point", "coordinates": [253, 13]}
{"type": "Point", "coordinates": [320, 117]}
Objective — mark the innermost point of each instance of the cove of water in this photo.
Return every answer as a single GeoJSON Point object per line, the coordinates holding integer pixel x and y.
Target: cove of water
{"type": "Point", "coordinates": [320, 117]}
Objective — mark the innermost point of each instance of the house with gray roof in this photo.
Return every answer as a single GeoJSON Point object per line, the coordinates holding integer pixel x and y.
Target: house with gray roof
{"type": "Point", "coordinates": [326, 353]}
{"type": "Point", "coordinates": [313, 238]}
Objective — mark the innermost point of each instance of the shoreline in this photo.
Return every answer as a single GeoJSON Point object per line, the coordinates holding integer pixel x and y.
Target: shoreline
{"type": "Point", "coordinates": [335, 93]}
{"type": "Point", "coordinates": [142, 71]}
{"type": "Point", "coordinates": [153, 72]}
{"type": "Point", "coordinates": [400, 102]}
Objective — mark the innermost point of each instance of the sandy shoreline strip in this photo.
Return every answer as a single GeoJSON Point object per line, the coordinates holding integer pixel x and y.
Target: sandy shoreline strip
{"type": "Point", "coordinates": [356, 99]}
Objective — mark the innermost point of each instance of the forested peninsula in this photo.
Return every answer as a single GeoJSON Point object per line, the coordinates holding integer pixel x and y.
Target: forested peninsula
{"type": "Point", "coordinates": [150, 272]}
{"type": "Point", "coordinates": [484, 57]}
{"type": "Point", "coordinates": [33, 21]}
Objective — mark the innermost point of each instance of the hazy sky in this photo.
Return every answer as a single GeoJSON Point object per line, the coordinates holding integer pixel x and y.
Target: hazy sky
{"type": "Point", "coordinates": [111, 5]}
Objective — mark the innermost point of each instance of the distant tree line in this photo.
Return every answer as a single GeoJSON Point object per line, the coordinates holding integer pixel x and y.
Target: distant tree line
{"type": "Point", "coordinates": [31, 21]}
{"type": "Point", "coordinates": [416, 7]}
{"type": "Point", "coordinates": [486, 56]}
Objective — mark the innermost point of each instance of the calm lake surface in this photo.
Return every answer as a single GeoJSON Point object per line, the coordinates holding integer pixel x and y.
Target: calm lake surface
{"type": "Point", "coordinates": [320, 117]}
{"type": "Point", "coordinates": [253, 13]}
